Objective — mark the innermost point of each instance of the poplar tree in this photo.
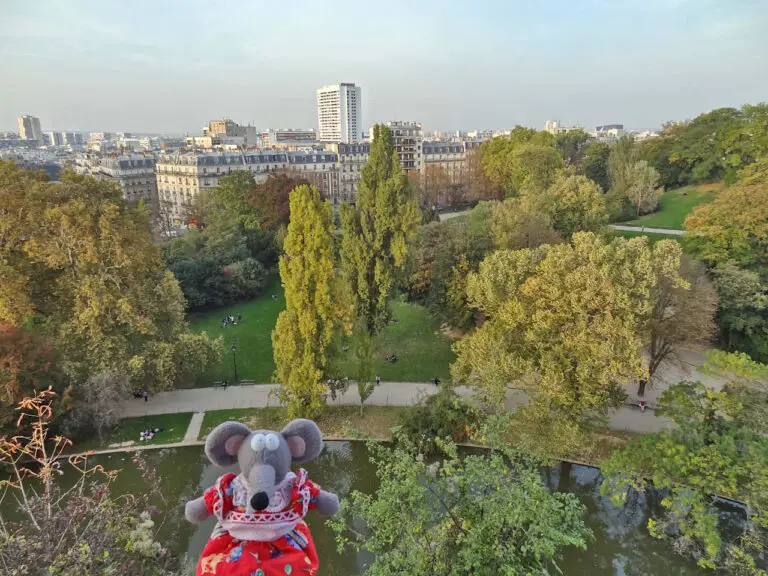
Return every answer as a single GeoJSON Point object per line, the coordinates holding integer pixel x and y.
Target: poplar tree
{"type": "Point", "coordinates": [305, 328]}
{"type": "Point", "coordinates": [376, 231]}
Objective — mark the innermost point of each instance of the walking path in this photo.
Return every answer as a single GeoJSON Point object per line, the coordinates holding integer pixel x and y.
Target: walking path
{"type": "Point", "coordinates": [193, 430]}
{"type": "Point", "coordinates": [670, 231]}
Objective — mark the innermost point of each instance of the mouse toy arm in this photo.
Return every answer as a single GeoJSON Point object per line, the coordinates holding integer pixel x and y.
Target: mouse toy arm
{"type": "Point", "coordinates": [327, 503]}
{"type": "Point", "coordinates": [195, 510]}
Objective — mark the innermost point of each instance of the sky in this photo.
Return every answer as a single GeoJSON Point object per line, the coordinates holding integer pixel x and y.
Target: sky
{"type": "Point", "coordinates": [169, 66]}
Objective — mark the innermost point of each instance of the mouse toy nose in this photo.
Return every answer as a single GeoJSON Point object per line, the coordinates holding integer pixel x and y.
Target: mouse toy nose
{"type": "Point", "coordinates": [259, 501]}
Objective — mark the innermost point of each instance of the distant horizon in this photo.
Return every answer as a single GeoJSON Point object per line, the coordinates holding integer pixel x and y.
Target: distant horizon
{"type": "Point", "coordinates": [169, 68]}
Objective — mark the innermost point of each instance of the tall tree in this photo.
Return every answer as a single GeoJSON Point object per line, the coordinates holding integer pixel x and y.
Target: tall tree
{"type": "Point", "coordinates": [519, 223]}
{"type": "Point", "coordinates": [621, 160]}
{"type": "Point", "coordinates": [305, 328]}
{"type": "Point", "coordinates": [564, 324]}
{"type": "Point", "coordinates": [596, 156]}
{"type": "Point", "coordinates": [643, 190]}
{"type": "Point", "coordinates": [376, 231]}
{"type": "Point", "coordinates": [572, 145]}
{"type": "Point", "coordinates": [684, 305]}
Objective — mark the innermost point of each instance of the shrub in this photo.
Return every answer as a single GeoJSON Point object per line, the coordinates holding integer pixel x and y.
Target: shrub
{"type": "Point", "coordinates": [443, 415]}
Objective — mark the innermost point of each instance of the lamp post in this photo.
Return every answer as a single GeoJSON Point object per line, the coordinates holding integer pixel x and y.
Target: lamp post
{"type": "Point", "coordinates": [234, 359]}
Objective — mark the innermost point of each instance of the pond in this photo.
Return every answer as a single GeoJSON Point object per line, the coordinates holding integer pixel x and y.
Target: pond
{"type": "Point", "coordinates": [621, 544]}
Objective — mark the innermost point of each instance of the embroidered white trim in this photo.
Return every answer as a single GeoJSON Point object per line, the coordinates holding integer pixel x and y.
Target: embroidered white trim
{"type": "Point", "coordinates": [272, 523]}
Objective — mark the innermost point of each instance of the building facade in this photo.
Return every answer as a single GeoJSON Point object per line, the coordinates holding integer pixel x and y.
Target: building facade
{"type": "Point", "coordinates": [408, 139]}
{"type": "Point", "coordinates": [288, 137]}
{"type": "Point", "coordinates": [450, 157]}
{"type": "Point", "coordinates": [134, 173]}
{"type": "Point", "coordinates": [339, 113]}
{"type": "Point", "coordinates": [29, 128]}
{"type": "Point", "coordinates": [609, 132]}
{"type": "Point", "coordinates": [182, 175]}
{"type": "Point", "coordinates": [352, 160]}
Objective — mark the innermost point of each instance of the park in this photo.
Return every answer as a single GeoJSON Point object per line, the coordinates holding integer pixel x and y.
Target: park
{"type": "Point", "coordinates": [523, 352]}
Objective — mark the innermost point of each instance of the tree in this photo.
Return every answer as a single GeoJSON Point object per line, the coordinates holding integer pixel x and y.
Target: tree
{"type": "Point", "coordinates": [479, 514]}
{"type": "Point", "coordinates": [96, 404]}
{"type": "Point", "coordinates": [715, 450]}
{"type": "Point", "coordinates": [742, 316]}
{"type": "Point", "coordinates": [518, 223]}
{"type": "Point", "coordinates": [596, 156]}
{"type": "Point", "coordinates": [574, 203]}
{"type": "Point", "coordinates": [563, 324]}
{"type": "Point", "coordinates": [713, 146]}
{"type": "Point", "coordinates": [271, 199]}
{"type": "Point", "coordinates": [643, 190]}
{"type": "Point", "coordinates": [435, 185]}
{"type": "Point", "coordinates": [375, 232]}
{"type": "Point", "coordinates": [621, 161]}
{"type": "Point", "coordinates": [73, 528]}
{"type": "Point", "coordinates": [734, 226]}
{"type": "Point", "coordinates": [476, 182]}
{"type": "Point", "coordinates": [365, 376]}
{"type": "Point", "coordinates": [27, 363]}
{"type": "Point", "coordinates": [509, 168]}
{"type": "Point", "coordinates": [572, 146]}
{"type": "Point", "coordinates": [90, 277]}
{"type": "Point", "coordinates": [305, 328]}
{"type": "Point", "coordinates": [684, 305]}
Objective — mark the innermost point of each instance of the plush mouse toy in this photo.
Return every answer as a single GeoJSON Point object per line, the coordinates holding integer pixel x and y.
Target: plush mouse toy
{"type": "Point", "coordinates": [260, 529]}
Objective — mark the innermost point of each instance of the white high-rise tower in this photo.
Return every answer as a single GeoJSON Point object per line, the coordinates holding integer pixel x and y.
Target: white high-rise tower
{"type": "Point", "coordinates": [339, 113]}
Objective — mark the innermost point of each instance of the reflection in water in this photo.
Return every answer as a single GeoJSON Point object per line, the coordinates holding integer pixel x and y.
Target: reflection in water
{"type": "Point", "coordinates": [621, 544]}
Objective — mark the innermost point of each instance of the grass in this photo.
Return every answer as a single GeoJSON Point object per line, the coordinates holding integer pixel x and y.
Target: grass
{"type": "Point", "coordinates": [337, 422]}
{"type": "Point", "coordinates": [173, 426]}
{"type": "Point", "coordinates": [423, 351]}
{"type": "Point", "coordinates": [675, 205]}
{"type": "Point", "coordinates": [253, 336]}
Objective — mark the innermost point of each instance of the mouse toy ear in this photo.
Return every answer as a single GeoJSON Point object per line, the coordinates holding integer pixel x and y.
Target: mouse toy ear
{"type": "Point", "coordinates": [224, 441]}
{"type": "Point", "coordinates": [304, 438]}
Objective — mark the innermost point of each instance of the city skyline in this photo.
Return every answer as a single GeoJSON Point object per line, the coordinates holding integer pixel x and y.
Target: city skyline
{"type": "Point", "coordinates": [448, 65]}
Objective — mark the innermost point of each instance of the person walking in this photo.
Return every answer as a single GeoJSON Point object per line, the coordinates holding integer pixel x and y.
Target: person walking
{"type": "Point", "coordinates": [437, 381]}
{"type": "Point", "coordinates": [378, 380]}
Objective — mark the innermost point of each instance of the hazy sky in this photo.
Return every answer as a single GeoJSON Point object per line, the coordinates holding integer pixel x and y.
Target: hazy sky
{"type": "Point", "coordinates": [171, 65]}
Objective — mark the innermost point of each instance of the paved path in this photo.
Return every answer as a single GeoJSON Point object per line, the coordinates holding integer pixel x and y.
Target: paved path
{"type": "Point", "coordinates": [193, 430]}
{"type": "Point", "coordinates": [670, 231]}
{"type": "Point", "coordinates": [199, 400]}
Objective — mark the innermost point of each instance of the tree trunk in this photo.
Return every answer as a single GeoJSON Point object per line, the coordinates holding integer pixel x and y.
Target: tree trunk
{"type": "Point", "coordinates": [641, 387]}
{"type": "Point", "coordinates": [565, 476]}
{"type": "Point", "coordinates": [361, 409]}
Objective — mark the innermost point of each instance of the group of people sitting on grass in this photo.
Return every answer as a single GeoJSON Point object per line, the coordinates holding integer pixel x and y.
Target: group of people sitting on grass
{"type": "Point", "coordinates": [391, 358]}
{"type": "Point", "coordinates": [231, 320]}
{"type": "Point", "coordinates": [149, 433]}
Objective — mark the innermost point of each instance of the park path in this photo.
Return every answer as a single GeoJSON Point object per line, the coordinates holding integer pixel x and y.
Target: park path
{"type": "Point", "coordinates": [670, 231]}
{"type": "Point", "coordinates": [200, 400]}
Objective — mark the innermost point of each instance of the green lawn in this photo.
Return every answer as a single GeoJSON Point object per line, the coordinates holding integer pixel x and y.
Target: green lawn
{"type": "Point", "coordinates": [423, 351]}
{"type": "Point", "coordinates": [336, 422]}
{"type": "Point", "coordinates": [173, 426]}
{"type": "Point", "coordinates": [675, 205]}
{"type": "Point", "coordinates": [253, 336]}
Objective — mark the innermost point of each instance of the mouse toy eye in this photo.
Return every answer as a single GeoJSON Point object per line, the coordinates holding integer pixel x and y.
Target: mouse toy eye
{"type": "Point", "coordinates": [272, 442]}
{"type": "Point", "coordinates": [258, 441]}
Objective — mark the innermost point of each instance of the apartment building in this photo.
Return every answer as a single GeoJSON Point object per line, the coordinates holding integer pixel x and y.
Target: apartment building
{"type": "Point", "coordinates": [352, 160]}
{"type": "Point", "coordinates": [182, 175]}
{"type": "Point", "coordinates": [408, 139]}
{"type": "Point", "coordinates": [451, 157]}
{"type": "Point", "coordinates": [133, 173]}
{"type": "Point", "coordinates": [288, 137]}
{"type": "Point", "coordinates": [29, 128]}
{"type": "Point", "coordinates": [340, 113]}
{"type": "Point", "coordinates": [609, 132]}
